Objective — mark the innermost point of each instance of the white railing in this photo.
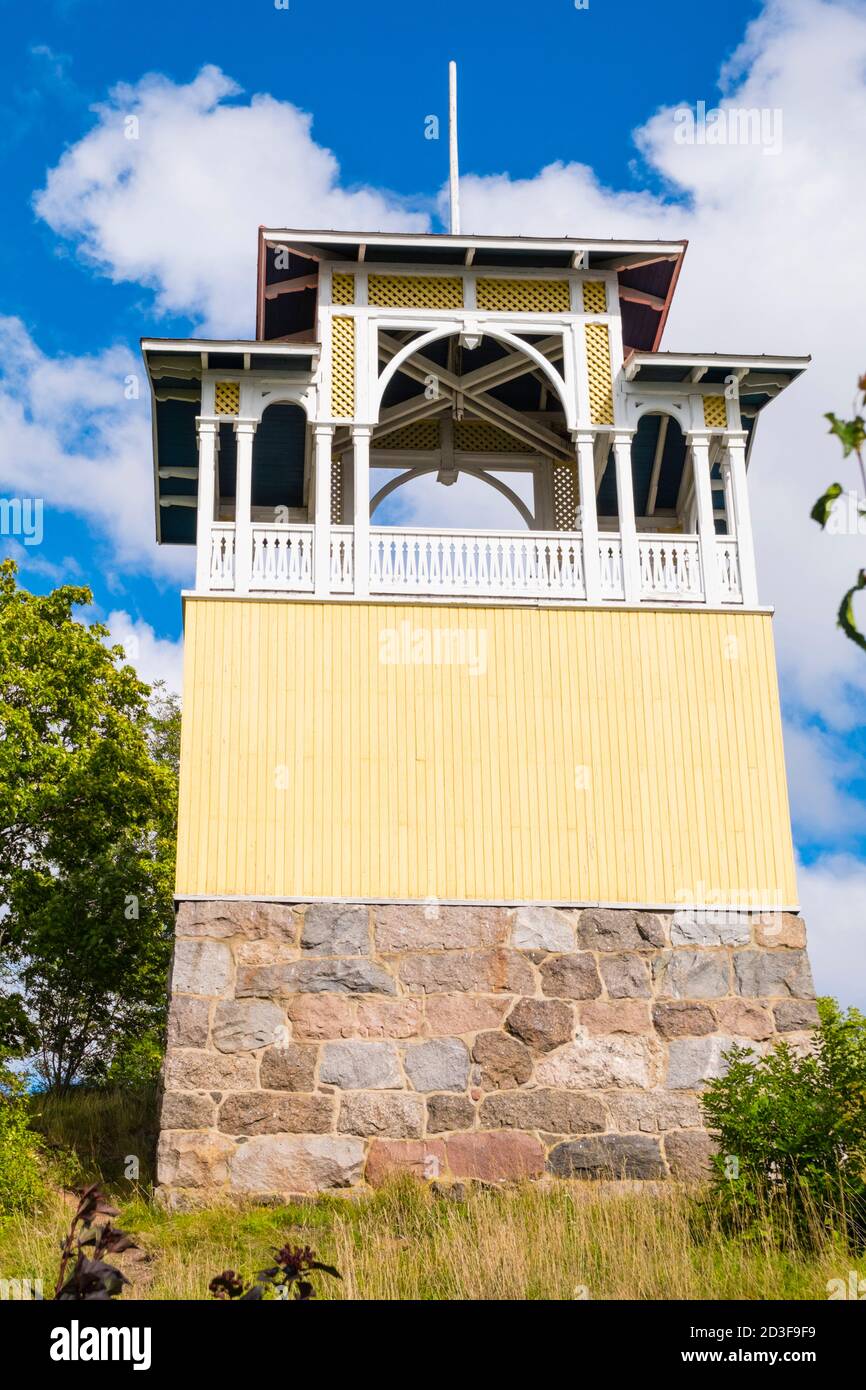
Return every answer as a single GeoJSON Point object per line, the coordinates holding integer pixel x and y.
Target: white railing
{"type": "Point", "coordinates": [729, 569]}
{"type": "Point", "coordinates": [282, 557]}
{"type": "Point", "coordinates": [503, 564]}
{"type": "Point", "coordinates": [670, 568]}
{"type": "Point", "coordinates": [222, 557]}
{"type": "Point", "coordinates": [342, 559]}
{"type": "Point", "coordinates": [485, 564]}
{"type": "Point", "coordinates": [610, 563]}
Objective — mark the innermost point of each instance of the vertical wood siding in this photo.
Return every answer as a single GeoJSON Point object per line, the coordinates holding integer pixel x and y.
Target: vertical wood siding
{"type": "Point", "coordinates": [595, 756]}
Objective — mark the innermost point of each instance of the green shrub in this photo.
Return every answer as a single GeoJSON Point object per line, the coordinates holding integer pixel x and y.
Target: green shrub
{"type": "Point", "coordinates": [21, 1183]}
{"type": "Point", "coordinates": [791, 1130]}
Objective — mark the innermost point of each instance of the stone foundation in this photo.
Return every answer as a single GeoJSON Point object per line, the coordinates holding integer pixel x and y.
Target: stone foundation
{"type": "Point", "coordinates": [326, 1046]}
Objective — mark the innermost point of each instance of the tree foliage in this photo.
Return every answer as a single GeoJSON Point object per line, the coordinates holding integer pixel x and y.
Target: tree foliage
{"type": "Point", "coordinates": [88, 800]}
{"type": "Point", "coordinates": [852, 436]}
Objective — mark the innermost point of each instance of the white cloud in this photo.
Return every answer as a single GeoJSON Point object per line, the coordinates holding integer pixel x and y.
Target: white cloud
{"type": "Point", "coordinates": [154, 658]}
{"type": "Point", "coordinates": [69, 435]}
{"type": "Point", "coordinates": [177, 207]}
{"type": "Point", "coordinates": [819, 767]}
{"type": "Point", "coordinates": [833, 897]}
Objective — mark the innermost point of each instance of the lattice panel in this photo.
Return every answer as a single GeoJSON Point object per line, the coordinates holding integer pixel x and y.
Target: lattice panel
{"type": "Point", "coordinates": [480, 437]}
{"type": "Point", "coordinates": [342, 289]}
{"type": "Point", "coordinates": [227, 398]}
{"type": "Point", "coordinates": [336, 491]}
{"type": "Point", "coordinates": [598, 370]}
{"type": "Point", "coordinates": [415, 292]}
{"type": "Point", "coordinates": [594, 297]}
{"type": "Point", "coordinates": [715, 413]}
{"type": "Point", "coordinates": [564, 498]}
{"type": "Point", "coordinates": [422, 434]}
{"type": "Point", "coordinates": [524, 296]}
{"type": "Point", "coordinates": [343, 368]}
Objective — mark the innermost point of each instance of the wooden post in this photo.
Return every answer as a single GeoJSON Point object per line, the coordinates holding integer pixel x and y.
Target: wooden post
{"type": "Point", "coordinates": [627, 525]}
{"type": "Point", "coordinates": [208, 451]}
{"type": "Point", "coordinates": [361, 508]}
{"type": "Point", "coordinates": [700, 450]}
{"type": "Point", "coordinates": [245, 433]}
{"type": "Point", "coordinates": [323, 435]}
{"type": "Point", "coordinates": [735, 463]}
{"type": "Point", "coordinates": [588, 516]}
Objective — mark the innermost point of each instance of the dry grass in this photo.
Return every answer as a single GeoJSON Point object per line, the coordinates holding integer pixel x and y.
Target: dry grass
{"type": "Point", "coordinates": [565, 1242]}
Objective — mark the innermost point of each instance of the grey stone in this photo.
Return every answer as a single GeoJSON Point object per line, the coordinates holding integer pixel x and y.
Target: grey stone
{"type": "Point", "coordinates": [626, 976]}
{"type": "Point", "coordinates": [541, 1023]}
{"type": "Point", "coordinates": [552, 1112]}
{"type": "Point", "coordinates": [276, 1112]}
{"type": "Point", "coordinates": [332, 929]}
{"type": "Point", "coordinates": [571, 977]}
{"type": "Point", "coordinates": [188, 1021]}
{"type": "Point", "coordinates": [654, 1111]}
{"type": "Point", "coordinates": [187, 1110]}
{"type": "Point", "coordinates": [688, 1153]}
{"type": "Point", "coordinates": [792, 1015]}
{"type": "Point", "coordinates": [291, 1067]}
{"type": "Point", "coordinates": [350, 975]}
{"type": "Point", "coordinates": [598, 1063]}
{"type": "Point", "coordinates": [762, 974]}
{"type": "Point", "coordinates": [201, 967]}
{"type": "Point", "coordinates": [502, 1061]}
{"type": "Point", "coordinates": [692, 974]}
{"type": "Point", "coordinates": [449, 1112]}
{"type": "Point", "coordinates": [247, 1025]}
{"type": "Point", "coordinates": [396, 1115]}
{"type": "Point", "coordinates": [710, 927]}
{"type": "Point", "coordinates": [608, 1155]}
{"type": "Point", "coordinates": [360, 1066]}
{"type": "Point", "coordinates": [442, 1064]}
{"type": "Point", "coordinates": [283, 1164]}
{"type": "Point", "coordinates": [692, 1061]}
{"type": "Point", "coordinates": [197, 1158]}
{"type": "Point", "coordinates": [225, 917]}
{"type": "Point", "coordinates": [619, 929]}
{"type": "Point", "coordinates": [543, 929]}
{"type": "Point", "coordinates": [479, 972]}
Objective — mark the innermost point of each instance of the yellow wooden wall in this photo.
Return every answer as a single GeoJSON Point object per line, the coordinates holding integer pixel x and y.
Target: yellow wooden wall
{"type": "Point", "coordinates": [599, 756]}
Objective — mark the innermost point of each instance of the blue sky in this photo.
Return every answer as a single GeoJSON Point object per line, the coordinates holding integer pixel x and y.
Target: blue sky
{"type": "Point", "coordinates": [563, 130]}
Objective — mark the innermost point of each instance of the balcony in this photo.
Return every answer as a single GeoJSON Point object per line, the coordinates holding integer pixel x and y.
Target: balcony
{"type": "Point", "coordinates": [515, 566]}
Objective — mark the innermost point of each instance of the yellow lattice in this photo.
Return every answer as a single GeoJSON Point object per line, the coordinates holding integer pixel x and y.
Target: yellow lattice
{"type": "Point", "coordinates": [715, 413]}
{"type": "Point", "coordinates": [479, 437]}
{"type": "Point", "coordinates": [564, 498]}
{"type": "Point", "coordinates": [524, 296]}
{"type": "Point", "coordinates": [594, 297]}
{"type": "Point", "coordinates": [227, 398]}
{"type": "Point", "coordinates": [422, 434]}
{"type": "Point", "coordinates": [415, 292]}
{"type": "Point", "coordinates": [343, 368]}
{"type": "Point", "coordinates": [342, 289]}
{"type": "Point", "coordinates": [598, 370]}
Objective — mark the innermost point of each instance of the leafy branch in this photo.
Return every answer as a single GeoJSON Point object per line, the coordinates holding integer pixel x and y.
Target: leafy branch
{"type": "Point", "coordinates": [852, 436]}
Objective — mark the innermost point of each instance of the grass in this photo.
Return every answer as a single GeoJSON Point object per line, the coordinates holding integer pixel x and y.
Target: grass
{"type": "Point", "coordinates": [565, 1241]}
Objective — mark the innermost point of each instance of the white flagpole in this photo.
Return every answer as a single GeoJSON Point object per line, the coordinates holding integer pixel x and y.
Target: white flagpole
{"type": "Point", "coordinates": [452, 141]}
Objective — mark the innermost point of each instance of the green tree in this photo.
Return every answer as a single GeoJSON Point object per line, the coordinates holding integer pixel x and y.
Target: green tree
{"type": "Point", "coordinates": [88, 802]}
{"type": "Point", "coordinates": [852, 436]}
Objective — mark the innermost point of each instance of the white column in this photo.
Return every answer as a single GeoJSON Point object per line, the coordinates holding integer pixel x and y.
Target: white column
{"type": "Point", "coordinates": [700, 449]}
{"type": "Point", "coordinates": [734, 464]}
{"type": "Point", "coordinates": [589, 516]}
{"type": "Point", "coordinates": [323, 435]}
{"type": "Point", "coordinates": [361, 508]}
{"type": "Point", "coordinates": [245, 432]}
{"type": "Point", "coordinates": [625, 507]}
{"type": "Point", "coordinates": [208, 451]}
